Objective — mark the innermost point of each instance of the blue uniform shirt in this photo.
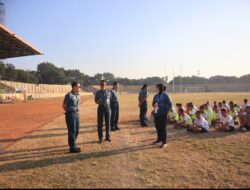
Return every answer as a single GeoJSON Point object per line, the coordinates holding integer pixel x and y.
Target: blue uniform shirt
{"type": "Point", "coordinates": [114, 96]}
{"type": "Point", "coordinates": [164, 103]}
{"type": "Point", "coordinates": [72, 101]}
{"type": "Point", "coordinates": [143, 94]}
{"type": "Point", "coordinates": [103, 97]}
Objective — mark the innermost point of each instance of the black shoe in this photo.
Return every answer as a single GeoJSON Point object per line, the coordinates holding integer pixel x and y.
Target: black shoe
{"type": "Point", "coordinates": [117, 128]}
{"type": "Point", "coordinates": [100, 142]}
{"type": "Point", "coordinates": [109, 140]}
{"type": "Point", "coordinates": [75, 151]}
{"type": "Point", "coordinates": [112, 129]}
{"type": "Point", "coordinates": [144, 125]}
{"type": "Point", "coordinates": [78, 149]}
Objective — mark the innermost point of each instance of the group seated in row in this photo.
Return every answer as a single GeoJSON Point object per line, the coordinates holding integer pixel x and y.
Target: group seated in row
{"type": "Point", "coordinates": [221, 116]}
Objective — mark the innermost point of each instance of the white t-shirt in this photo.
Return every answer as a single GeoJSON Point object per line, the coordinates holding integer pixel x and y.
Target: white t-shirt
{"type": "Point", "coordinates": [227, 106]}
{"type": "Point", "coordinates": [202, 122]}
{"type": "Point", "coordinates": [193, 111]}
{"type": "Point", "coordinates": [244, 106]}
{"type": "Point", "coordinates": [205, 115]}
{"type": "Point", "coordinates": [227, 120]}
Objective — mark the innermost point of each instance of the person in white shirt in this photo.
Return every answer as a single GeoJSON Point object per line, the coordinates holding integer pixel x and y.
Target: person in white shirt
{"type": "Point", "coordinates": [245, 104]}
{"type": "Point", "coordinates": [226, 105]}
{"type": "Point", "coordinates": [226, 122]}
{"type": "Point", "coordinates": [200, 124]}
{"type": "Point", "coordinates": [203, 112]}
{"type": "Point", "coordinates": [245, 119]}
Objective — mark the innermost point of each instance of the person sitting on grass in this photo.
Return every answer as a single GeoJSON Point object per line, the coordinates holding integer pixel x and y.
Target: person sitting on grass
{"type": "Point", "coordinates": [226, 122]}
{"type": "Point", "coordinates": [184, 119]}
{"type": "Point", "coordinates": [179, 106]}
{"type": "Point", "coordinates": [245, 119]}
{"type": "Point", "coordinates": [233, 112]}
{"type": "Point", "coordinates": [220, 105]}
{"type": "Point", "coordinates": [193, 111]}
{"type": "Point", "coordinates": [203, 112]}
{"type": "Point", "coordinates": [226, 105]}
{"type": "Point", "coordinates": [200, 124]}
{"type": "Point", "coordinates": [188, 108]}
{"type": "Point", "coordinates": [209, 113]}
{"type": "Point", "coordinates": [237, 108]}
{"type": "Point", "coordinates": [172, 116]}
{"type": "Point", "coordinates": [215, 103]}
{"type": "Point", "coordinates": [245, 104]}
{"type": "Point", "coordinates": [215, 116]}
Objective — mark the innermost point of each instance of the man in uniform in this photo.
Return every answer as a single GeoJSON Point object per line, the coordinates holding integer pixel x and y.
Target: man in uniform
{"type": "Point", "coordinates": [115, 107]}
{"type": "Point", "coordinates": [71, 107]}
{"type": "Point", "coordinates": [143, 104]}
{"type": "Point", "coordinates": [102, 98]}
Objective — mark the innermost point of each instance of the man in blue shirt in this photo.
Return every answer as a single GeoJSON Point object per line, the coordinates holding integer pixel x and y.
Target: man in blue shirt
{"type": "Point", "coordinates": [162, 105]}
{"type": "Point", "coordinates": [143, 104]}
{"type": "Point", "coordinates": [102, 98]}
{"type": "Point", "coordinates": [115, 107]}
{"type": "Point", "coordinates": [71, 107]}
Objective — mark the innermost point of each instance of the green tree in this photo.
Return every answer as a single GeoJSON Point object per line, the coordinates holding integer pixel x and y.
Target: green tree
{"type": "Point", "coordinates": [50, 74]}
{"type": "Point", "coordinates": [10, 72]}
{"type": "Point", "coordinates": [2, 70]}
{"type": "Point", "coordinates": [245, 79]}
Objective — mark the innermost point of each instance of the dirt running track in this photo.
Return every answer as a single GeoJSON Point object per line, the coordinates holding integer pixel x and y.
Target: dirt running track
{"type": "Point", "coordinates": [20, 119]}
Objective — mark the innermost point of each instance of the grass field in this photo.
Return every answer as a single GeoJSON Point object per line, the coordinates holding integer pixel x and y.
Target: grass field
{"type": "Point", "coordinates": [213, 160]}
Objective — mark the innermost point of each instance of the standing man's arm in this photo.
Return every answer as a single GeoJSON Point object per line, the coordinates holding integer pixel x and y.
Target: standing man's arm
{"type": "Point", "coordinates": [143, 100]}
{"type": "Point", "coordinates": [64, 107]}
{"type": "Point", "coordinates": [65, 103]}
{"type": "Point", "coordinates": [154, 101]}
{"type": "Point", "coordinates": [96, 98]}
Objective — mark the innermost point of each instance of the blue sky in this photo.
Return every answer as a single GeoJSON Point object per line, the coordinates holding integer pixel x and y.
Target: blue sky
{"type": "Point", "coordinates": [135, 38]}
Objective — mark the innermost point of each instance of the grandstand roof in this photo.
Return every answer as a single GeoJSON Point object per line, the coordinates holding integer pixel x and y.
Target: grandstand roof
{"type": "Point", "coordinates": [13, 46]}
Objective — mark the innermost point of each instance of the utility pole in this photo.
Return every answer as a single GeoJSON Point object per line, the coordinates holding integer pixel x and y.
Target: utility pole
{"type": "Point", "coordinates": [173, 79]}
{"type": "Point", "coordinates": [181, 76]}
{"type": "Point", "coordinates": [165, 79]}
{"type": "Point", "coordinates": [2, 13]}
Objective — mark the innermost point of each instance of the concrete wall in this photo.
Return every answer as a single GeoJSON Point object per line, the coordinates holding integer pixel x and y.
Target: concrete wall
{"type": "Point", "coordinates": [41, 90]}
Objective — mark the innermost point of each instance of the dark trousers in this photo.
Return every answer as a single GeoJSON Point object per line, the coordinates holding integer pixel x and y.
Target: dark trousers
{"type": "Point", "coordinates": [143, 113]}
{"type": "Point", "coordinates": [72, 121]}
{"type": "Point", "coordinates": [114, 115]}
{"type": "Point", "coordinates": [161, 128]}
{"type": "Point", "coordinates": [103, 112]}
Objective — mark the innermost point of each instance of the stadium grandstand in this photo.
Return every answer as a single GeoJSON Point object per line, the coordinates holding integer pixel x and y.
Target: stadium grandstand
{"type": "Point", "coordinates": [12, 46]}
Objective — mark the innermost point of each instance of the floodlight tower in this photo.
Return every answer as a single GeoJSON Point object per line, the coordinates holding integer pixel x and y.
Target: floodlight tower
{"type": "Point", "coordinates": [2, 13]}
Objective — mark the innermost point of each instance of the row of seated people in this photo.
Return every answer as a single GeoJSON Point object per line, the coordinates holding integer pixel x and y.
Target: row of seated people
{"type": "Point", "coordinates": [221, 116]}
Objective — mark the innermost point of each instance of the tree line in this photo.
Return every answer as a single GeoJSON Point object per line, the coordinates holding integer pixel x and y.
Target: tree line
{"type": "Point", "coordinates": [48, 73]}
{"type": "Point", "coordinates": [218, 79]}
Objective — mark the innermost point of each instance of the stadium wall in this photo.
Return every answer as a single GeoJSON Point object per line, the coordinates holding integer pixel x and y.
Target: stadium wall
{"type": "Point", "coordinates": [40, 90]}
